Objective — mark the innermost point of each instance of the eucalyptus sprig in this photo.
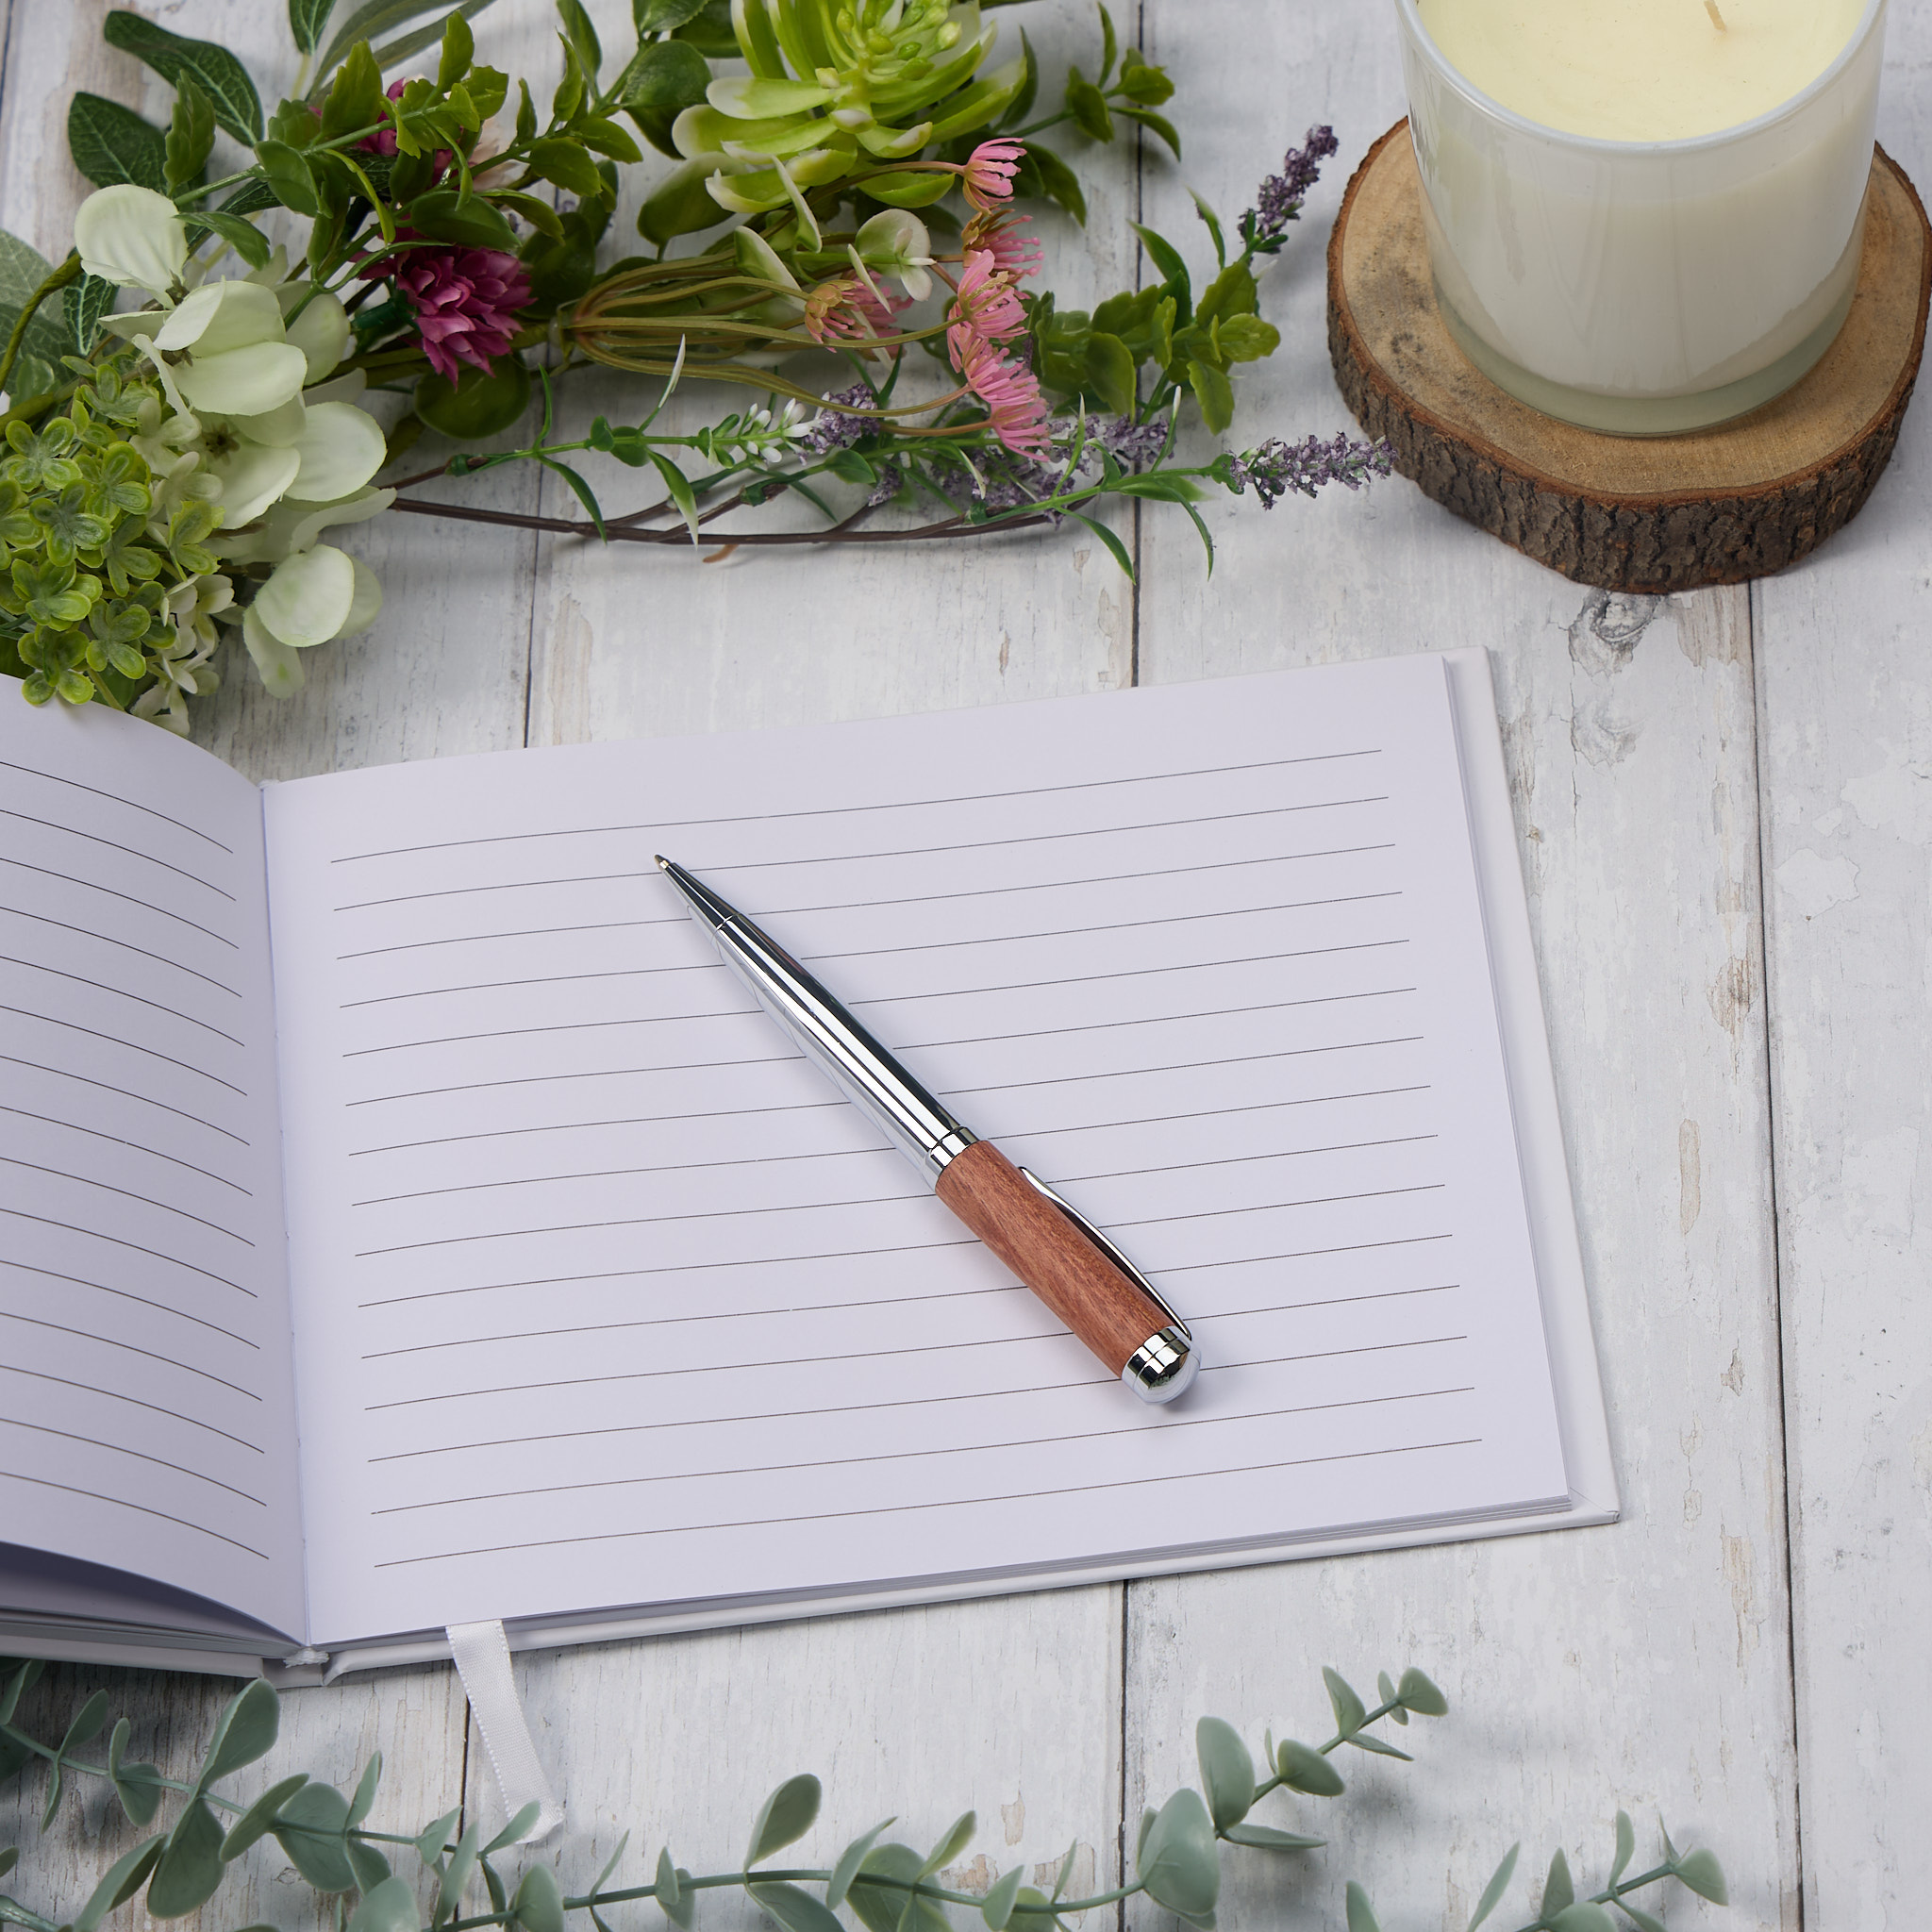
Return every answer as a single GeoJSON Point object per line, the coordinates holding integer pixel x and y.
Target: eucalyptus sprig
{"type": "Point", "coordinates": [888, 1886]}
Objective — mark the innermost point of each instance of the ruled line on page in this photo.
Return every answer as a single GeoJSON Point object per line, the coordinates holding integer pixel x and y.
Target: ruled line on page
{"type": "Point", "coordinates": [897, 1456]}
{"type": "Point", "coordinates": [606, 1173]}
{"type": "Point", "coordinates": [128, 1294]}
{"type": "Point", "coordinates": [146, 906]}
{"type": "Point", "coordinates": [1023, 1132]}
{"type": "Point", "coordinates": [887, 1301]}
{"type": "Point", "coordinates": [756, 818]}
{"type": "Point", "coordinates": [122, 1449]}
{"type": "Point", "coordinates": [193, 1421]}
{"type": "Point", "coordinates": [458, 1241]}
{"type": "Point", "coordinates": [115, 798]}
{"type": "Point", "coordinates": [121, 1503]}
{"type": "Point", "coordinates": [122, 992]}
{"type": "Point", "coordinates": [139, 1147]}
{"type": "Point", "coordinates": [806, 1361]}
{"type": "Point", "coordinates": [85, 1180]}
{"type": "Point", "coordinates": [125, 1093]}
{"type": "Point", "coordinates": [108, 939]}
{"type": "Point", "coordinates": [126, 1348]}
{"type": "Point", "coordinates": [116, 846]}
{"type": "Point", "coordinates": [159, 1254]}
{"type": "Point", "coordinates": [1117, 878]}
{"type": "Point", "coordinates": [961, 1503]}
{"type": "Point", "coordinates": [132, 1046]}
{"type": "Point", "coordinates": [901, 999]}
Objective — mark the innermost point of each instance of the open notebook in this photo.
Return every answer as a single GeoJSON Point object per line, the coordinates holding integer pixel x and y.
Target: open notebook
{"type": "Point", "coordinates": [405, 1220]}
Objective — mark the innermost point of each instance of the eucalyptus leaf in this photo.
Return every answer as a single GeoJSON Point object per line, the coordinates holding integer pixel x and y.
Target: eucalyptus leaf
{"type": "Point", "coordinates": [1701, 1872]}
{"type": "Point", "coordinates": [1584, 1916]}
{"type": "Point", "coordinates": [111, 144]}
{"type": "Point", "coordinates": [22, 270]}
{"type": "Point", "coordinates": [794, 1908]}
{"type": "Point", "coordinates": [1227, 1771]}
{"type": "Point", "coordinates": [246, 1729]}
{"type": "Point", "coordinates": [957, 1836]}
{"type": "Point", "coordinates": [610, 1864]}
{"type": "Point", "coordinates": [538, 1906]}
{"type": "Point", "coordinates": [1559, 1888]}
{"type": "Point", "coordinates": [1266, 1837]}
{"type": "Point", "coordinates": [882, 1909]}
{"type": "Point", "coordinates": [306, 20]}
{"type": "Point", "coordinates": [214, 69]}
{"type": "Point", "coordinates": [8, 1859]}
{"type": "Point", "coordinates": [365, 1790]}
{"type": "Point", "coordinates": [390, 1906]}
{"type": "Point", "coordinates": [997, 1906]}
{"type": "Point", "coordinates": [1177, 1861]}
{"type": "Point", "coordinates": [1363, 1742]}
{"type": "Point", "coordinates": [456, 1876]}
{"type": "Point", "coordinates": [433, 1839]}
{"type": "Point", "coordinates": [1361, 1915]}
{"type": "Point", "coordinates": [1498, 1884]}
{"type": "Point", "coordinates": [371, 1867]}
{"type": "Point", "coordinates": [842, 1873]}
{"type": "Point", "coordinates": [1066, 1871]}
{"type": "Point", "coordinates": [512, 1832]}
{"type": "Point", "coordinates": [189, 1871]}
{"type": "Point", "coordinates": [259, 1820]}
{"type": "Point", "coordinates": [1640, 1918]}
{"type": "Point", "coordinates": [1626, 1847]}
{"type": "Point", "coordinates": [1420, 1695]}
{"type": "Point", "coordinates": [785, 1818]}
{"type": "Point", "coordinates": [123, 1879]}
{"type": "Point", "coordinates": [310, 1830]}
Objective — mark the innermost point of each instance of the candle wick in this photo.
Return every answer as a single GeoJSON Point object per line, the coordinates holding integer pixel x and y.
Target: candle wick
{"type": "Point", "coordinates": [1717, 19]}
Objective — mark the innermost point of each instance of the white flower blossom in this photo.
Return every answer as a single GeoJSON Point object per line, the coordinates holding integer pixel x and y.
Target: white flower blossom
{"type": "Point", "coordinates": [133, 238]}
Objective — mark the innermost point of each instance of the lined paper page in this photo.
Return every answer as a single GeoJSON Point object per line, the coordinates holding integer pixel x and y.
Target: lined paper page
{"type": "Point", "coordinates": [605, 1297]}
{"type": "Point", "coordinates": [145, 1385]}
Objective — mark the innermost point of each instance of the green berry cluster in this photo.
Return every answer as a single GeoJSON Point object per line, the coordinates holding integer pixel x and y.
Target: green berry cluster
{"type": "Point", "coordinates": [107, 590]}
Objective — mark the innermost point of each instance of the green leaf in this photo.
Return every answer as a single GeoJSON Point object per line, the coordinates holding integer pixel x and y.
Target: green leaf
{"type": "Point", "coordinates": [191, 135]}
{"type": "Point", "coordinates": [663, 16]}
{"type": "Point", "coordinates": [1350, 1713]}
{"type": "Point", "coordinates": [373, 19]}
{"type": "Point", "coordinates": [1161, 486]}
{"type": "Point", "coordinates": [1227, 1771]}
{"type": "Point", "coordinates": [449, 1895]}
{"type": "Point", "coordinates": [538, 1906]}
{"type": "Point", "coordinates": [668, 1893]}
{"type": "Point", "coordinates": [566, 163]}
{"type": "Point", "coordinates": [214, 69]}
{"type": "Point", "coordinates": [1155, 124]}
{"type": "Point", "coordinates": [1167, 258]}
{"type": "Point", "coordinates": [444, 215]}
{"type": "Point", "coordinates": [189, 1872]}
{"type": "Point", "coordinates": [310, 1830]}
{"type": "Point", "coordinates": [1118, 551]}
{"type": "Point", "coordinates": [795, 1908]}
{"type": "Point", "coordinates": [12, 251]}
{"type": "Point", "coordinates": [1640, 1918]}
{"type": "Point", "coordinates": [514, 1830]}
{"type": "Point", "coordinates": [433, 1839]}
{"type": "Point", "coordinates": [365, 1790]}
{"type": "Point", "coordinates": [244, 238]}
{"type": "Point", "coordinates": [90, 1721]}
{"type": "Point", "coordinates": [1109, 45]}
{"type": "Point", "coordinates": [1215, 394]}
{"type": "Point", "coordinates": [882, 1909]}
{"type": "Point", "coordinates": [307, 19]}
{"type": "Point", "coordinates": [1701, 1872]}
{"type": "Point", "coordinates": [1066, 1871]}
{"type": "Point", "coordinates": [289, 177]}
{"type": "Point", "coordinates": [1558, 1888]}
{"type": "Point", "coordinates": [459, 52]}
{"type": "Point", "coordinates": [1087, 106]}
{"type": "Point", "coordinates": [245, 1731]}
{"type": "Point", "coordinates": [1626, 1847]}
{"type": "Point", "coordinates": [1498, 1884]}
{"type": "Point", "coordinates": [259, 1820]}
{"type": "Point", "coordinates": [1057, 180]}
{"type": "Point", "coordinates": [390, 1906]}
{"type": "Point", "coordinates": [123, 1879]}
{"type": "Point", "coordinates": [663, 78]}
{"type": "Point", "coordinates": [1111, 374]}
{"type": "Point", "coordinates": [1361, 1916]}
{"type": "Point", "coordinates": [1177, 1861]}
{"type": "Point", "coordinates": [787, 1815]}
{"type": "Point", "coordinates": [392, 53]}
{"type": "Point", "coordinates": [1584, 1916]}
{"type": "Point", "coordinates": [371, 1867]}
{"type": "Point", "coordinates": [847, 1868]}
{"type": "Point", "coordinates": [997, 1906]}
{"type": "Point", "coordinates": [1213, 222]}
{"type": "Point", "coordinates": [111, 144]}
{"type": "Point", "coordinates": [1231, 292]}
{"type": "Point", "coordinates": [1420, 1696]}
{"type": "Point", "coordinates": [582, 35]}
{"type": "Point", "coordinates": [1363, 1742]}
{"type": "Point", "coordinates": [957, 1837]}
{"type": "Point", "coordinates": [22, 272]}
{"type": "Point", "coordinates": [1265, 1838]}
{"type": "Point", "coordinates": [1022, 103]}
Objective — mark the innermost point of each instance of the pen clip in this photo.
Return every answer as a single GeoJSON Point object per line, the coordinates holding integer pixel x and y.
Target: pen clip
{"type": "Point", "coordinates": [1107, 1248]}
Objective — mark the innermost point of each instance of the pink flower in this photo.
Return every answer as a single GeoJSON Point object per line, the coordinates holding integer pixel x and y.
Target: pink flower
{"type": "Point", "coordinates": [997, 231]}
{"type": "Point", "coordinates": [383, 141]}
{"type": "Point", "coordinates": [465, 301]}
{"type": "Point", "coordinates": [990, 169]}
{"type": "Point", "coordinates": [1011, 392]}
{"type": "Point", "coordinates": [984, 306]}
{"type": "Point", "coordinates": [846, 310]}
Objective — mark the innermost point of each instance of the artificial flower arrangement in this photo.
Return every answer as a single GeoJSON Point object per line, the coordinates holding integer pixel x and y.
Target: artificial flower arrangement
{"type": "Point", "coordinates": [177, 469]}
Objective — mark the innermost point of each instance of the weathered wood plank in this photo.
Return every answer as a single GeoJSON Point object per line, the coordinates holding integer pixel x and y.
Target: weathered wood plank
{"type": "Point", "coordinates": [1642, 1664]}
{"type": "Point", "coordinates": [1845, 710]}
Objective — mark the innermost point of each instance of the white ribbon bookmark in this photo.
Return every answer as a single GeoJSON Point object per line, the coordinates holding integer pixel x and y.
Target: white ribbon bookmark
{"type": "Point", "coordinates": [482, 1657]}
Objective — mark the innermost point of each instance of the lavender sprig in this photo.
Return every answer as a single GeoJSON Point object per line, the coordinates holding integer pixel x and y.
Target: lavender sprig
{"type": "Point", "coordinates": [1275, 468]}
{"type": "Point", "coordinates": [1280, 198]}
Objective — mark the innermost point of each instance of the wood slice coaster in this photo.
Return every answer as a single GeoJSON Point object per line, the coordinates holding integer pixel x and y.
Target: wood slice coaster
{"type": "Point", "coordinates": [1718, 506]}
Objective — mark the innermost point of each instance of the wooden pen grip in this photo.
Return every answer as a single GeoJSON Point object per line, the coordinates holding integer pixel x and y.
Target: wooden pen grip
{"type": "Point", "coordinates": [1109, 1312]}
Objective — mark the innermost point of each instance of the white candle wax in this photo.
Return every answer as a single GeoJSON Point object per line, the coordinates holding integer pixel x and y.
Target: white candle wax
{"type": "Point", "coordinates": [1640, 70]}
{"type": "Point", "coordinates": [1639, 221]}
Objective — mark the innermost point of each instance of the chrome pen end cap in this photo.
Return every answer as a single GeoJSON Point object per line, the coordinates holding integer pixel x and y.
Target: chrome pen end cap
{"type": "Point", "coordinates": [1163, 1367]}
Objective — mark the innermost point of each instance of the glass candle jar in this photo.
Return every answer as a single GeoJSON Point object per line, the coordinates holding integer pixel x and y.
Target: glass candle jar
{"type": "Point", "coordinates": [1645, 288]}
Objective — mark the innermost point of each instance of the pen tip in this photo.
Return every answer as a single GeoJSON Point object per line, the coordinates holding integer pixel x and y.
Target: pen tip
{"type": "Point", "coordinates": [663, 863]}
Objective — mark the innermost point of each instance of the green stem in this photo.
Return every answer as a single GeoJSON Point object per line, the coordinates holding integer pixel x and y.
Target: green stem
{"type": "Point", "coordinates": [202, 193]}
{"type": "Point", "coordinates": [68, 272]}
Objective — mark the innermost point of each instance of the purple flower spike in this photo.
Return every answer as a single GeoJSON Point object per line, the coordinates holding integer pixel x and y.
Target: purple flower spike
{"type": "Point", "coordinates": [1279, 199]}
{"type": "Point", "coordinates": [1278, 468]}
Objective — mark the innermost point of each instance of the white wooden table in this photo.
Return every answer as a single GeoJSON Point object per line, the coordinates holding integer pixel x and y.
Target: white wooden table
{"type": "Point", "coordinates": [1724, 805]}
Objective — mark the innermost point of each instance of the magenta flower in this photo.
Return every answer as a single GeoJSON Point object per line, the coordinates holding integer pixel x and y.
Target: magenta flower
{"type": "Point", "coordinates": [984, 307]}
{"type": "Point", "coordinates": [846, 310]}
{"type": "Point", "coordinates": [997, 232]}
{"type": "Point", "coordinates": [989, 171]}
{"type": "Point", "coordinates": [465, 301]}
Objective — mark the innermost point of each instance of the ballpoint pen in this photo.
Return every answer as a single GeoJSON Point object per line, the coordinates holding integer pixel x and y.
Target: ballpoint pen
{"type": "Point", "coordinates": [1048, 1243]}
